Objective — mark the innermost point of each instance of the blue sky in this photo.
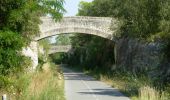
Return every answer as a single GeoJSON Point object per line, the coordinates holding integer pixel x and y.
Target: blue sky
{"type": "Point", "coordinates": [71, 6]}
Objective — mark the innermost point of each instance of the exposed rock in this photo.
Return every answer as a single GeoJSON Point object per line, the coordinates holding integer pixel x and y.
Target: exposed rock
{"type": "Point", "coordinates": [137, 56]}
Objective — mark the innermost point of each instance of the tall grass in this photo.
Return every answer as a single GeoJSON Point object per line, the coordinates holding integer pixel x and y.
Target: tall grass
{"type": "Point", "coordinates": [136, 89]}
{"type": "Point", "coordinates": [47, 84]}
{"type": "Point", "coordinates": [148, 93]}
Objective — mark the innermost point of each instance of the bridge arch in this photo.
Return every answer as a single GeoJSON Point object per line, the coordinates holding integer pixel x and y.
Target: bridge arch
{"type": "Point", "coordinates": [60, 48]}
{"type": "Point", "coordinates": [99, 26]}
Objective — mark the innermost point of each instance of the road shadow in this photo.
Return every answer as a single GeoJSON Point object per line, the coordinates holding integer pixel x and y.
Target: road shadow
{"type": "Point", "coordinates": [92, 87]}
{"type": "Point", "coordinates": [71, 75]}
{"type": "Point", "coordinates": [107, 92]}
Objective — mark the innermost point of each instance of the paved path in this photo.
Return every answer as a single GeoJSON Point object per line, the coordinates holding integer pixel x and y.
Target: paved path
{"type": "Point", "coordinates": [79, 86]}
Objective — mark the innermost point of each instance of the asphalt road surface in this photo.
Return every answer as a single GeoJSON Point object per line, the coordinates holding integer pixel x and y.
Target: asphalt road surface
{"type": "Point", "coordinates": [79, 86]}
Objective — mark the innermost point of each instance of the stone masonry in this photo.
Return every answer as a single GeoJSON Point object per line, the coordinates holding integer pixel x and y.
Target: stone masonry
{"type": "Point", "coordinates": [99, 26]}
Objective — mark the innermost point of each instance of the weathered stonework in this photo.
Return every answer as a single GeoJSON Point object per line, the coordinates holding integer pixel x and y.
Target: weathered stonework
{"type": "Point", "coordinates": [61, 48]}
{"type": "Point", "coordinates": [134, 55]}
{"type": "Point", "coordinates": [99, 26]}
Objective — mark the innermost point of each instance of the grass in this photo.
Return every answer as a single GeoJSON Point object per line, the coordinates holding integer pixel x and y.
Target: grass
{"type": "Point", "coordinates": [148, 93]}
{"type": "Point", "coordinates": [137, 88]}
{"type": "Point", "coordinates": [47, 84]}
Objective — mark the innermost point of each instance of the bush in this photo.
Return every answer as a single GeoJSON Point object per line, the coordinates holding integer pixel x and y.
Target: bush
{"type": "Point", "coordinates": [4, 82]}
{"type": "Point", "coordinates": [10, 56]}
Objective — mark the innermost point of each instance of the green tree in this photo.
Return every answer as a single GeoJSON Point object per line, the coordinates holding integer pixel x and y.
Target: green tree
{"type": "Point", "coordinates": [23, 16]}
{"type": "Point", "coordinates": [19, 22]}
{"type": "Point", "coordinates": [11, 59]}
{"type": "Point", "coordinates": [141, 19]}
{"type": "Point", "coordinates": [85, 9]}
{"type": "Point", "coordinates": [63, 39]}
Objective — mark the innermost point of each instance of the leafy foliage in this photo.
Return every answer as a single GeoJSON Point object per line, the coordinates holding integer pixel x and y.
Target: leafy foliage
{"type": "Point", "coordinates": [143, 20]}
{"type": "Point", "coordinates": [58, 58]}
{"type": "Point", "coordinates": [19, 22]}
{"type": "Point", "coordinates": [63, 39]}
{"type": "Point", "coordinates": [10, 57]}
{"type": "Point", "coordinates": [44, 46]}
{"type": "Point", "coordinates": [45, 43]}
{"type": "Point", "coordinates": [23, 16]}
{"type": "Point", "coordinates": [92, 51]}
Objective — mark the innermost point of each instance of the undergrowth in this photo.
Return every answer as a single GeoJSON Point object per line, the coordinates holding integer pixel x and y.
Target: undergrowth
{"type": "Point", "coordinates": [46, 84]}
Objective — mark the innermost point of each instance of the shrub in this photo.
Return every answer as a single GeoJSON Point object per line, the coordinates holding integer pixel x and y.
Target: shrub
{"type": "Point", "coordinates": [11, 58]}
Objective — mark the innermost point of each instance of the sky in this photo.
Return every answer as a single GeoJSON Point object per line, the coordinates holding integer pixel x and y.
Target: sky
{"type": "Point", "coordinates": [71, 6]}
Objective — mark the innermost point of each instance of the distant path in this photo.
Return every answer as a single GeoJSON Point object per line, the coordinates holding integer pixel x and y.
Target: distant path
{"type": "Point", "coordinates": [79, 86]}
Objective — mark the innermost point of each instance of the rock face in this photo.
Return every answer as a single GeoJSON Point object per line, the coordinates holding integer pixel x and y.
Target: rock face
{"type": "Point", "coordinates": [136, 56]}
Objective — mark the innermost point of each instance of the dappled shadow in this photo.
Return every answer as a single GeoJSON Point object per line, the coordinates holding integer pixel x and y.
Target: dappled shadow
{"type": "Point", "coordinates": [77, 76]}
{"type": "Point", "coordinates": [84, 86]}
{"type": "Point", "coordinates": [72, 75]}
{"type": "Point", "coordinates": [107, 92]}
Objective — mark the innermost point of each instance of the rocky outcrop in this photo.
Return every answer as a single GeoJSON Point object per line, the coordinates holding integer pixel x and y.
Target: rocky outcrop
{"type": "Point", "coordinates": [137, 56]}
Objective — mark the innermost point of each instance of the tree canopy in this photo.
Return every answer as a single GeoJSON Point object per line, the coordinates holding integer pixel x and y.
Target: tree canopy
{"type": "Point", "coordinates": [141, 18]}
{"type": "Point", "coordinates": [19, 22]}
{"type": "Point", "coordinates": [144, 20]}
{"type": "Point", "coordinates": [23, 16]}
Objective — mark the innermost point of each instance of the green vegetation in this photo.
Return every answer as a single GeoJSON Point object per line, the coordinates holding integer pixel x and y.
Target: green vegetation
{"type": "Point", "coordinates": [137, 88]}
{"type": "Point", "coordinates": [143, 20]}
{"type": "Point", "coordinates": [41, 85]}
{"type": "Point", "coordinates": [147, 21]}
{"type": "Point", "coordinates": [43, 49]}
{"type": "Point", "coordinates": [140, 18]}
{"type": "Point", "coordinates": [92, 51]}
{"type": "Point", "coordinates": [63, 39]}
{"type": "Point", "coordinates": [23, 17]}
{"type": "Point", "coordinates": [46, 84]}
{"type": "Point", "coordinates": [58, 58]}
{"type": "Point", "coordinates": [19, 23]}
{"type": "Point", "coordinates": [10, 57]}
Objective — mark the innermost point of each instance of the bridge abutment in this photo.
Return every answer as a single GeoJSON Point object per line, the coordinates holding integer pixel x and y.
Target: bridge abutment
{"type": "Point", "coordinates": [32, 52]}
{"type": "Point", "coordinates": [99, 26]}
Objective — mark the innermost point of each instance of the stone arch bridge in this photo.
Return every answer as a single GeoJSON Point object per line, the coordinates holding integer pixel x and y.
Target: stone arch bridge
{"type": "Point", "coordinates": [99, 26]}
{"type": "Point", "coordinates": [59, 48]}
